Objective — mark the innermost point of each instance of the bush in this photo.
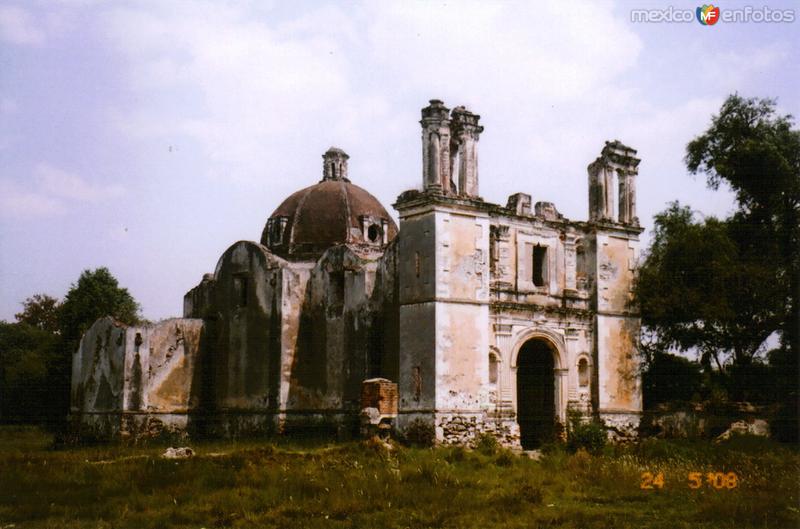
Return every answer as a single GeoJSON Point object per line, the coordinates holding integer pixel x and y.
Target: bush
{"type": "Point", "coordinates": [486, 444]}
{"type": "Point", "coordinates": [505, 458]}
{"type": "Point", "coordinates": [591, 436]}
{"type": "Point", "coordinates": [420, 433]}
{"type": "Point", "coordinates": [669, 378]}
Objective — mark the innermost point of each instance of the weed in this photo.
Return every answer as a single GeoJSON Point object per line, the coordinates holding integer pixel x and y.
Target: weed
{"type": "Point", "coordinates": [487, 444]}
{"type": "Point", "coordinates": [282, 483]}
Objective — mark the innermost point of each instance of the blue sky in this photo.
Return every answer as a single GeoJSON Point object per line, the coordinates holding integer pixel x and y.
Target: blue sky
{"type": "Point", "coordinates": [149, 136]}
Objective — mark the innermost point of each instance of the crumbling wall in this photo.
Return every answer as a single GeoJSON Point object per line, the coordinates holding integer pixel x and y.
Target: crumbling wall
{"type": "Point", "coordinates": [515, 234]}
{"type": "Point", "coordinates": [136, 381]}
{"type": "Point", "coordinates": [98, 368]}
{"type": "Point", "coordinates": [384, 332]}
{"type": "Point", "coordinates": [160, 366]}
{"type": "Point", "coordinates": [617, 333]}
{"type": "Point", "coordinates": [199, 301]}
{"type": "Point", "coordinates": [336, 334]}
{"type": "Point", "coordinates": [247, 346]}
{"type": "Point", "coordinates": [416, 277]}
{"type": "Point", "coordinates": [443, 269]}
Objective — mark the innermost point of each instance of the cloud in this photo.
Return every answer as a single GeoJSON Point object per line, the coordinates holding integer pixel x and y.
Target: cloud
{"type": "Point", "coordinates": [518, 51]}
{"type": "Point", "coordinates": [251, 89]}
{"type": "Point", "coordinates": [17, 26]}
{"type": "Point", "coordinates": [258, 94]}
{"type": "Point", "coordinates": [51, 191]}
{"type": "Point", "coordinates": [62, 184]}
{"type": "Point", "coordinates": [16, 202]}
{"type": "Point", "coordinates": [7, 105]}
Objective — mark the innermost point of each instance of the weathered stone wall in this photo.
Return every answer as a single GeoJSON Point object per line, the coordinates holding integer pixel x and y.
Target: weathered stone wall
{"type": "Point", "coordinates": [98, 368]}
{"type": "Point", "coordinates": [246, 325]}
{"type": "Point", "coordinates": [514, 238]}
{"type": "Point", "coordinates": [444, 309]}
{"type": "Point", "coordinates": [617, 330]}
{"type": "Point", "coordinates": [136, 381]}
{"type": "Point", "coordinates": [464, 428]}
{"type": "Point", "coordinates": [199, 301]}
{"type": "Point", "coordinates": [385, 330]}
{"type": "Point", "coordinates": [416, 277]}
{"type": "Point", "coordinates": [344, 335]}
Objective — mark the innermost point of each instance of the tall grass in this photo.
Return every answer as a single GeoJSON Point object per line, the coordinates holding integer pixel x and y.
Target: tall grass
{"type": "Point", "coordinates": [319, 484]}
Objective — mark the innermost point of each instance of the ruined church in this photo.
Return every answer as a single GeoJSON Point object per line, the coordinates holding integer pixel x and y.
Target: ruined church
{"type": "Point", "coordinates": [469, 318]}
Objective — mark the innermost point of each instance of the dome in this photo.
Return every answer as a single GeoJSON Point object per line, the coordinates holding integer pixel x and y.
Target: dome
{"type": "Point", "coordinates": [333, 211]}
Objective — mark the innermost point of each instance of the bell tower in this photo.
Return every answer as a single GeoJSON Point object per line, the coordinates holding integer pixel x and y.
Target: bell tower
{"type": "Point", "coordinates": [614, 258]}
{"type": "Point", "coordinates": [443, 278]}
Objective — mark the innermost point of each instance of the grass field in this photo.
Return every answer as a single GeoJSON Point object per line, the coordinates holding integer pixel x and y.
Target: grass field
{"type": "Point", "coordinates": [319, 484]}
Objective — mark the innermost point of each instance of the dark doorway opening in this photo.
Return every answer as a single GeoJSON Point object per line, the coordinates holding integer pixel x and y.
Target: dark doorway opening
{"type": "Point", "coordinates": [536, 411]}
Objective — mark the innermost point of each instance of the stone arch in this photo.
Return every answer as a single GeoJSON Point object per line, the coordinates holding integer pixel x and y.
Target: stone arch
{"type": "Point", "coordinates": [558, 347]}
{"type": "Point", "coordinates": [555, 340]}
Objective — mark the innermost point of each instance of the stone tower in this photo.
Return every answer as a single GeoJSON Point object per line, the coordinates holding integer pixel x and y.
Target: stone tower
{"type": "Point", "coordinates": [443, 270]}
{"type": "Point", "coordinates": [617, 323]}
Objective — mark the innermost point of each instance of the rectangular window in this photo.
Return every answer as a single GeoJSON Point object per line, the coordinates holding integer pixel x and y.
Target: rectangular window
{"type": "Point", "coordinates": [539, 265]}
{"type": "Point", "coordinates": [240, 290]}
{"type": "Point", "coordinates": [336, 292]}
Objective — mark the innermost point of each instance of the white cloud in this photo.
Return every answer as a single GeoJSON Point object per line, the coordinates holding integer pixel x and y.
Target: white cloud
{"type": "Point", "coordinates": [62, 184]}
{"type": "Point", "coordinates": [511, 50]}
{"type": "Point", "coordinates": [253, 89]}
{"type": "Point", "coordinates": [733, 69]}
{"type": "Point", "coordinates": [17, 26]}
{"type": "Point", "coordinates": [7, 105]}
{"type": "Point", "coordinates": [51, 191]}
{"type": "Point", "coordinates": [16, 202]}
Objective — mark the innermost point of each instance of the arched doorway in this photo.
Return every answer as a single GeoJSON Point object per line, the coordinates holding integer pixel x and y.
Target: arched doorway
{"type": "Point", "coordinates": [536, 411]}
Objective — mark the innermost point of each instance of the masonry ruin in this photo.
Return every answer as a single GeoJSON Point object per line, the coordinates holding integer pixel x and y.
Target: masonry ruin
{"type": "Point", "coordinates": [470, 318]}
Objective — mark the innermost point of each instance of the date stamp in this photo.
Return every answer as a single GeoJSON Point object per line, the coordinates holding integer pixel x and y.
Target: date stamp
{"type": "Point", "coordinates": [694, 480]}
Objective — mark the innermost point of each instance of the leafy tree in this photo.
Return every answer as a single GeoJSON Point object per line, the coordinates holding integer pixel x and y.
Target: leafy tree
{"type": "Point", "coordinates": [96, 294]}
{"type": "Point", "coordinates": [700, 290]}
{"type": "Point", "coordinates": [26, 353]}
{"type": "Point", "coordinates": [757, 152]}
{"type": "Point", "coordinates": [36, 352]}
{"type": "Point", "coordinates": [40, 311]}
{"type": "Point", "coordinates": [722, 287]}
{"type": "Point", "coordinates": [671, 378]}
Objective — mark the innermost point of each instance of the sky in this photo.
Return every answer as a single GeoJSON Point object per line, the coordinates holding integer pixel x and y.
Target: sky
{"type": "Point", "coordinates": [148, 137]}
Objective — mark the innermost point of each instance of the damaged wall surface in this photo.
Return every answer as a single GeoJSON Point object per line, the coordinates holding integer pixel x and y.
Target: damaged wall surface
{"type": "Point", "coordinates": [489, 318]}
{"type": "Point", "coordinates": [133, 381]}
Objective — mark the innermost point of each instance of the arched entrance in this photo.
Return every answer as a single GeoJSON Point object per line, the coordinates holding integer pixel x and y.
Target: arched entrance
{"type": "Point", "coordinates": [536, 411]}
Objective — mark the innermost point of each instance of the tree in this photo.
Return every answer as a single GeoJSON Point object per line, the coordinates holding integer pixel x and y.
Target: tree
{"type": "Point", "coordinates": [26, 354]}
{"type": "Point", "coordinates": [722, 287]}
{"type": "Point", "coordinates": [40, 311]}
{"type": "Point", "coordinates": [670, 378]}
{"type": "Point", "coordinates": [756, 151]}
{"type": "Point", "coordinates": [96, 294]}
{"type": "Point", "coordinates": [36, 352]}
{"type": "Point", "coordinates": [698, 289]}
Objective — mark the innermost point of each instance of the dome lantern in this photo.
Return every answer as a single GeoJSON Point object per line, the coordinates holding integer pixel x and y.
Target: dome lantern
{"type": "Point", "coordinates": [331, 212]}
{"type": "Point", "coordinates": [334, 164]}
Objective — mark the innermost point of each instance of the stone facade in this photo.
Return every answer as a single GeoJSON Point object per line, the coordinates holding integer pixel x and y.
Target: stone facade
{"type": "Point", "coordinates": [489, 318]}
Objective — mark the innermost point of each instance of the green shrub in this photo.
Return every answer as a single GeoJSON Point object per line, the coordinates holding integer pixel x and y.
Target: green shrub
{"type": "Point", "coordinates": [420, 433]}
{"type": "Point", "coordinates": [487, 444]}
{"type": "Point", "coordinates": [590, 436]}
{"type": "Point", "coordinates": [505, 458]}
{"type": "Point", "coordinates": [668, 378]}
